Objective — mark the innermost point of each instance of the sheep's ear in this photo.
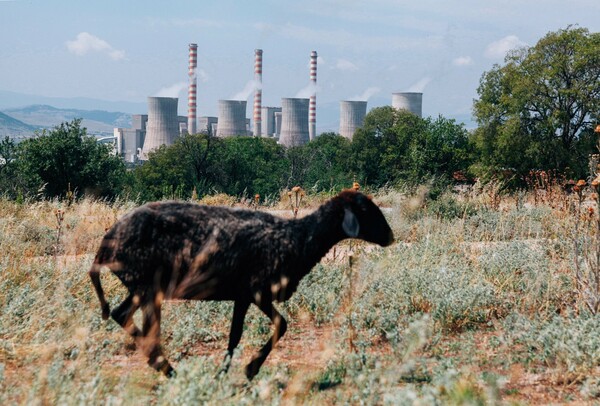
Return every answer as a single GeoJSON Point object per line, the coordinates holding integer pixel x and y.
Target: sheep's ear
{"type": "Point", "coordinates": [350, 224]}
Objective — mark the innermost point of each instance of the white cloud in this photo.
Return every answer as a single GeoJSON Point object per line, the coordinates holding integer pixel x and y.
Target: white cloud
{"type": "Point", "coordinates": [86, 42]}
{"type": "Point", "coordinates": [342, 38]}
{"type": "Point", "coordinates": [499, 49]}
{"type": "Point", "coordinates": [462, 61]}
{"type": "Point", "coordinates": [344, 64]}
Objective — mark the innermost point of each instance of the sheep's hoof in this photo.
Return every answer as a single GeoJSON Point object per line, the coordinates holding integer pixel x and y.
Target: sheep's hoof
{"type": "Point", "coordinates": [170, 373]}
{"type": "Point", "coordinates": [251, 371]}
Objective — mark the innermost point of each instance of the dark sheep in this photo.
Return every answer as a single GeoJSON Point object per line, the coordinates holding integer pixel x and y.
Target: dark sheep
{"type": "Point", "coordinates": [179, 250]}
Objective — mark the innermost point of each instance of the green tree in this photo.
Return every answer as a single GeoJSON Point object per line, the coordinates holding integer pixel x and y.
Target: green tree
{"type": "Point", "coordinates": [65, 157]}
{"type": "Point", "coordinates": [537, 111]}
{"type": "Point", "coordinates": [396, 145]}
{"type": "Point", "coordinates": [322, 164]}
{"type": "Point", "coordinates": [174, 171]}
{"type": "Point", "coordinates": [252, 165]}
{"type": "Point", "coordinates": [11, 181]}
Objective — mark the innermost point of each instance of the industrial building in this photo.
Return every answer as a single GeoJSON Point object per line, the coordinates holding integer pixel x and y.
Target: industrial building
{"type": "Point", "coordinates": [269, 126]}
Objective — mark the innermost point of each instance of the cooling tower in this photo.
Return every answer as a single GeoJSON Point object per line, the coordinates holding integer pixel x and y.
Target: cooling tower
{"type": "Point", "coordinates": [294, 122]}
{"type": "Point", "coordinates": [410, 101]}
{"type": "Point", "coordinates": [258, 92]}
{"type": "Point", "coordinates": [352, 115]}
{"type": "Point", "coordinates": [193, 62]}
{"type": "Point", "coordinates": [232, 118]}
{"type": "Point", "coordinates": [163, 124]}
{"type": "Point", "coordinates": [312, 118]}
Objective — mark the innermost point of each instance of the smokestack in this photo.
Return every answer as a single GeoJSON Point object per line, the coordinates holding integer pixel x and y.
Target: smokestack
{"type": "Point", "coordinates": [193, 63]}
{"type": "Point", "coordinates": [232, 118]}
{"type": "Point", "coordinates": [352, 116]}
{"type": "Point", "coordinates": [258, 92]}
{"type": "Point", "coordinates": [312, 109]}
{"type": "Point", "coordinates": [163, 124]}
{"type": "Point", "coordinates": [411, 101]}
{"type": "Point", "coordinates": [294, 122]}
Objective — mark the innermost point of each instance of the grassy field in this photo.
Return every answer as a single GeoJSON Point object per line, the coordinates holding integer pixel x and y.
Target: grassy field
{"type": "Point", "coordinates": [477, 303]}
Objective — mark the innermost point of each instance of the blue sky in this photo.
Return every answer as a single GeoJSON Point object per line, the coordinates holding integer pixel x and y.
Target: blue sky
{"type": "Point", "coordinates": [129, 50]}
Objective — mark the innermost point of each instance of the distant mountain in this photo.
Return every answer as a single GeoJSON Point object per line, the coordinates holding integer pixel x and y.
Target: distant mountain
{"type": "Point", "coordinates": [11, 100]}
{"type": "Point", "coordinates": [14, 128]}
{"type": "Point", "coordinates": [97, 122]}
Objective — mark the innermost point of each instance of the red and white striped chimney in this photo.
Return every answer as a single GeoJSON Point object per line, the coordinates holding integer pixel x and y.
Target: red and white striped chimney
{"type": "Point", "coordinates": [258, 92]}
{"type": "Point", "coordinates": [312, 107]}
{"type": "Point", "coordinates": [193, 63]}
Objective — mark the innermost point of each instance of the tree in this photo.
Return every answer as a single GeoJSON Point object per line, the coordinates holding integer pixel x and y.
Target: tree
{"type": "Point", "coordinates": [396, 145]}
{"type": "Point", "coordinates": [322, 164]}
{"type": "Point", "coordinates": [11, 182]}
{"type": "Point", "coordinates": [66, 158]}
{"type": "Point", "coordinates": [252, 165]}
{"type": "Point", "coordinates": [538, 110]}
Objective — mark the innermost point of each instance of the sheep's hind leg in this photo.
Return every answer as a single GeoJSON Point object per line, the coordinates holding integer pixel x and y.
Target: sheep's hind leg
{"type": "Point", "coordinates": [280, 328]}
{"type": "Point", "coordinates": [150, 339]}
{"type": "Point", "coordinates": [240, 308]}
{"type": "Point", "coordinates": [123, 314]}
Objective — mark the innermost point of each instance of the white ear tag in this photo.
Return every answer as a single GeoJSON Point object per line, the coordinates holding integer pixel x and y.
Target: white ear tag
{"type": "Point", "coordinates": [350, 224]}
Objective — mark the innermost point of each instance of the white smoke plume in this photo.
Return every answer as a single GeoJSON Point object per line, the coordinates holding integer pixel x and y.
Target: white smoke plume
{"type": "Point", "coordinates": [367, 94]}
{"type": "Point", "coordinates": [308, 91]}
{"type": "Point", "coordinates": [173, 90]}
{"type": "Point", "coordinates": [250, 87]}
{"type": "Point", "coordinates": [420, 85]}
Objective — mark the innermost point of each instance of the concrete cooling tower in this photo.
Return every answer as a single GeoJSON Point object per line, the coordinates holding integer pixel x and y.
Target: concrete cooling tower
{"type": "Point", "coordinates": [163, 124]}
{"type": "Point", "coordinates": [294, 122]}
{"type": "Point", "coordinates": [352, 116]}
{"type": "Point", "coordinates": [410, 101]}
{"type": "Point", "coordinates": [232, 118]}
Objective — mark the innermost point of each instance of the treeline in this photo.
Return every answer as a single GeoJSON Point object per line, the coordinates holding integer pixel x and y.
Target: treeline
{"type": "Point", "coordinates": [393, 146]}
{"type": "Point", "coordinates": [537, 111]}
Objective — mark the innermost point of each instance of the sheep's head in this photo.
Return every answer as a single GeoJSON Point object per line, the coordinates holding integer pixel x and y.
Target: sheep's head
{"type": "Point", "coordinates": [364, 220]}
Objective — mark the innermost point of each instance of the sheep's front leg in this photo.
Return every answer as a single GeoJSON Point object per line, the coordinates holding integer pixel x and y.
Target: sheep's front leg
{"type": "Point", "coordinates": [240, 308]}
{"type": "Point", "coordinates": [280, 328]}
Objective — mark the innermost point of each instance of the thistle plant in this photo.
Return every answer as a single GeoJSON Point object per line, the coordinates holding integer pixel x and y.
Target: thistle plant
{"type": "Point", "coordinates": [296, 196]}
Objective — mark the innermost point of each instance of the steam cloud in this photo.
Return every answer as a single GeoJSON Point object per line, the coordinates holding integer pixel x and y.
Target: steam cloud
{"type": "Point", "coordinates": [250, 87]}
{"type": "Point", "coordinates": [308, 91]}
{"type": "Point", "coordinates": [173, 90]}
{"type": "Point", "coordinates": [367, 94]}
{"type": "Point", "coordinates": [420, 85]}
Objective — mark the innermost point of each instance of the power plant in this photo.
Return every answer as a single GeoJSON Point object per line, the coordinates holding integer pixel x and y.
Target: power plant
{"type": "Point", "coordinates": [294, 122]}
{"type": "Point", "coordinates": [232, 118]}
{"type": "Point", "coordinates": [411, 101]}
{"type": "Point", "coordinates": [352, 116]}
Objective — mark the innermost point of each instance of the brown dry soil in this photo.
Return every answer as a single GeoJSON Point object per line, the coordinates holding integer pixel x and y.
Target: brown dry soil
{"type": "Point", "coordinates": [306, 350]}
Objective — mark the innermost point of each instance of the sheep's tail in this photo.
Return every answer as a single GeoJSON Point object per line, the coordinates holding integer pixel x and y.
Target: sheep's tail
{"type": "Point", "coordinates": [95, 276]}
